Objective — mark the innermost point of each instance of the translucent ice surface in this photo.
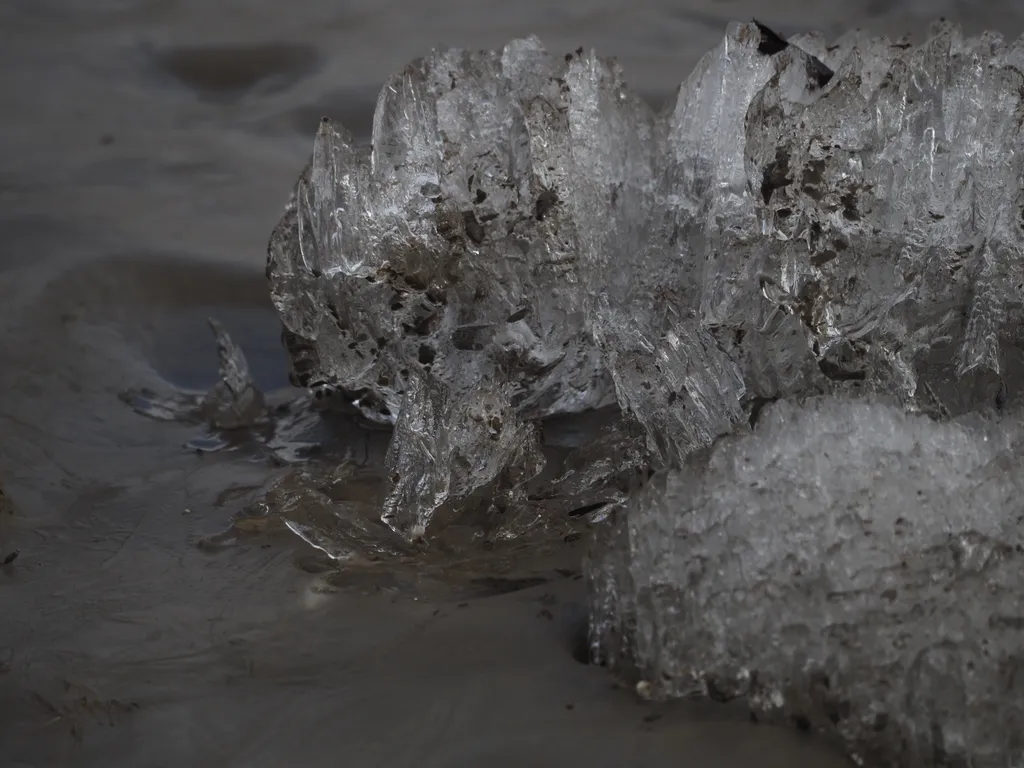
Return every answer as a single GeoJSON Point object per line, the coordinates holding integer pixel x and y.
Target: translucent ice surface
{"type": "Point", "coordinates": [444, 246]}
{"type": "Point", "coordinates": [803, 219]}
{"type": "Point", "coordinates": [446, 449]}
{"type": "Point", "coordinates": [234, 401]}
{"type": "Point", "coordinates": [847, 568]}
{"type": "Point", "coordinates": [837, 224]}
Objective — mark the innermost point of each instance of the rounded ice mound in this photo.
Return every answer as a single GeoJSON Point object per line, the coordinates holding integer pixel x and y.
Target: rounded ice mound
{"type": "Point", "coordinates": [847, 568]}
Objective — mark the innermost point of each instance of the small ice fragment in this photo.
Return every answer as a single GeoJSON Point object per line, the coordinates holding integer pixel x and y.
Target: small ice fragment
{"type": "Point", "coordinates": [234, 401]}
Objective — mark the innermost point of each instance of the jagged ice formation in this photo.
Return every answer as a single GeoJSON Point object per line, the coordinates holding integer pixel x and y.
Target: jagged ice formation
{"type": "Point", "coordinates": [805, 218]}
{"type": "Point", "coordinates": [526, 238]}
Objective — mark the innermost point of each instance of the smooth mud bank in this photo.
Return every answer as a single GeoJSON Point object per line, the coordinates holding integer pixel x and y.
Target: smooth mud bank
{"type": "Point", "coordinates": [150, 147]}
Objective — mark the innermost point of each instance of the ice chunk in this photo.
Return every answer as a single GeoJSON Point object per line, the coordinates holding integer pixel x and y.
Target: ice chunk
{"type": "Point", "coordinates": [896, 217]}
{"type": "Point", "coordinates": [802, 228]}
{"type": "Point", "coordinates": [804, 219]}
{"type": "Point", "coordinates": [442, 247]}
{"type": "Point", "coordinates": [846, 567]}
{"type": "Point", "coordinates": [447, 449]}
{"type": "Point", "coordinates": [234, 400]}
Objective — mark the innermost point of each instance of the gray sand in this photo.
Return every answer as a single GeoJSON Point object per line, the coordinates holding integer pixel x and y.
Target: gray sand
{"type": "Point", "coordinates": [149, 147]}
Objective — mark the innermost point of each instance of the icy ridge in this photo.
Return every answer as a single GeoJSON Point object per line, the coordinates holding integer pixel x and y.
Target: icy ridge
{"type": "Point", "coordinates": [806, 218]}
{"type": "Point", "coordinates": [526, 238]}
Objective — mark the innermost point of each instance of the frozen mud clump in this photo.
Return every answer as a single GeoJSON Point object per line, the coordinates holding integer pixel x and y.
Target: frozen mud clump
{"type": "Point", "coordinates": [847, 568]}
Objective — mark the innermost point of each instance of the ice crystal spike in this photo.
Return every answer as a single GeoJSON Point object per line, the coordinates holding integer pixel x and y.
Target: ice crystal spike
{"type": "Point", "coordinates": [234, 401]}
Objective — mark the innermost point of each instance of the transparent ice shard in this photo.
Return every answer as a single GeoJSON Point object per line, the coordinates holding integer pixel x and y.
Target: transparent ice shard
{"type": "Point", "coordinates": [446, 450]}
{"type": "Point", "coordinates": [335, 510]}
{"type": "Point", "coordinates": [234, 401]}
{"type": "Point", "coordinates": [596, 476]}
{"type": "Point", "coordinates": [442, 246]}
{"type": "Point", "coordinates": [847, 567]}
{"type": "Point", "coordinates": [642, 296]}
